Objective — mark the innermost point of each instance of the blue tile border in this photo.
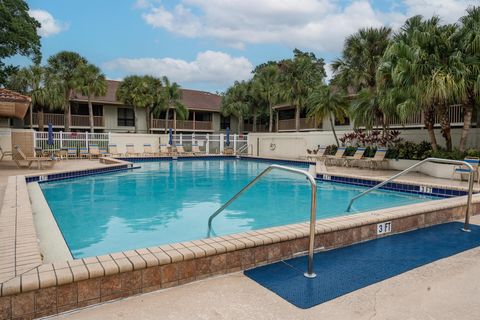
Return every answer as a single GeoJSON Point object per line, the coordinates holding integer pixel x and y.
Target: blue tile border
{"type": "Point", "coordinates": [394, 186]}
{"type": "Point", "coordinates": [279, 161]}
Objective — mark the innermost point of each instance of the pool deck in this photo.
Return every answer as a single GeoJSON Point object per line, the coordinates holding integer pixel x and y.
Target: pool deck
{"type": "Point", "coordinates": [445, 289]}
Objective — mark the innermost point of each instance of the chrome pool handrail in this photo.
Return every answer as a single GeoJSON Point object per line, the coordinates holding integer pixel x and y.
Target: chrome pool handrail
{"type": "Point", "coordinates": [313, 208]}
{"type": "Point", "coordinates": [466, 226]}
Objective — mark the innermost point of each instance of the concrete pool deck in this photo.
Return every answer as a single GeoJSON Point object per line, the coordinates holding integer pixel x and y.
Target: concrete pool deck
{"type": "Point", "coordinates": [446, 289]}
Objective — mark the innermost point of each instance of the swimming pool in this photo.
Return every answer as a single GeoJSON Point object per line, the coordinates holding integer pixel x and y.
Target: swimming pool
{"type": "Point", "coordinates": [170, 201]}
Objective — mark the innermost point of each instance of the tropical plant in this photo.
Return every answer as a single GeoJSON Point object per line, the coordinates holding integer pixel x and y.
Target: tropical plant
{"type": "Point", "coordinates": [266, 85]}
{"type": "Point", "coordinates": [298, 77]}
{"type": "Point", "coordinates": [156, 98]}
{"type": "Point", "coordinates": [173, 97]}
{"type": "Point", "coordinates": [323, 102]}
{"type": "Point", "coordinates": [91, 82]}
{"type": "Point", "coordinates": [133, 91]}
{"type": "Point", "coordinates": [469, 43]}
{"type": "Point", "coordinates": [356, 72]}
{"type": "Point", "coordinates": [64, 70]}
{"type": "Point", "coordinates": [236, 101]}
{"type": "Point", "coordinates": [19, 35]}
{"type": "Point", "coordinates": [31, 81]}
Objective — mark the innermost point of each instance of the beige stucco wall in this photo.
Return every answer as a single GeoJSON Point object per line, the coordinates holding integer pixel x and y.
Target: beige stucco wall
{"type": "Point", "coordinates": [111, 120]}
{"type": "Point", "coordinates": [122, 139]}
{"type": "Point", "coordinates": [24, 138]}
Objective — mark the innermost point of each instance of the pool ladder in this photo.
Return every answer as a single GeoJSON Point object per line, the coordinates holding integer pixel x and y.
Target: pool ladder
{"type": "Point", "coordinates": [313, 208]}
{"type": "Point", "coordinates": [466, 226]}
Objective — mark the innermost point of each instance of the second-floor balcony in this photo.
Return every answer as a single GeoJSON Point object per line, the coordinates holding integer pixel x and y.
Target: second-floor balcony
{"type": "Point", "coordinates": [58, 120]}
{"type": "Point", "coordinates": [305, 125]}
{"type": "Point", "coordinates": [183, 125]}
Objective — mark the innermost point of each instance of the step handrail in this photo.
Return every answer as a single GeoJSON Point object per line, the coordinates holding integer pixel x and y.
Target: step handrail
{"type": "Point", "coordinates": [466, 226]}
{"type": "Point", "coordinates": [313, 208]}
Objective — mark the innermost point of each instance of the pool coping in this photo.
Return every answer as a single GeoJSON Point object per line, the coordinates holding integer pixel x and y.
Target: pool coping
{"type": "Point", "coordinates": [105, 277]}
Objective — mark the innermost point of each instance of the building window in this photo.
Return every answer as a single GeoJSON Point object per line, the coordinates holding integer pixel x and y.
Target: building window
{"type": "Point", "coordinates": [342, 122]}
{"type": "Point", "coordinates": [126, 117]}
{"type": "Point", "coordinates": [224, 122]}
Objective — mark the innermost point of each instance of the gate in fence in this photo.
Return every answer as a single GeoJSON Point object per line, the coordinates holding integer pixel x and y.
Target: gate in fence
{"type": "Point", "coordinates": [212, 143]}
{"type": "Point", "coordinates": [71, 139]}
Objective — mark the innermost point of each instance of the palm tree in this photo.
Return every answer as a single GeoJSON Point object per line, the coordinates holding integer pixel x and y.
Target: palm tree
{"type": "Point", "coordinates": [173, 96]}
{"type": "Point", "coordinates": [157, 102]}
{"type": "Point", "coordinates": [469, 43]}
{"type": "Point", "coordinates": [266, 85]}
{"type": "Point", "coordinates": [356, 71]}
{"type": "Point", "coordinates": [298, 77]}
{"type": "Point", "coordinates": [91, 82]}
{"type": "Point", "coordinates": [31, 81]}
{"type": "Point", "coordinates": [133, 91]}
{"type": "Point", "coordinates": [63, 69]}
{"type": "Point", "coordinates": [236, 102]}
{"type": "Point", "coordinates": [323, 102]}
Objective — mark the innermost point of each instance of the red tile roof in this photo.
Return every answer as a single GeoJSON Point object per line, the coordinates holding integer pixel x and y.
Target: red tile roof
{"type": "Point", "coordinates": [12, 96]}
{"type": "Point", "coordinates": [192, 99]}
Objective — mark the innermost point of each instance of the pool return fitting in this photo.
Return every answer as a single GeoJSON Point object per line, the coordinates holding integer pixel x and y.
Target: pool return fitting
{"type": "Point", "coordinates": [313, 208]}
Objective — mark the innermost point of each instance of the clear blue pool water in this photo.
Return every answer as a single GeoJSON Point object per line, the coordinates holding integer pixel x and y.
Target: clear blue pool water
{"type": "Point", "coordinates": [170, 201]}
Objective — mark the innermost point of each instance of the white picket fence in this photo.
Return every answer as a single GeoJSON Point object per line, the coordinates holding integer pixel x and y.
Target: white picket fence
{"type": "Point", "coordinates": [70, 139]}
{"type": "Point", "coordinates": [212, 143]}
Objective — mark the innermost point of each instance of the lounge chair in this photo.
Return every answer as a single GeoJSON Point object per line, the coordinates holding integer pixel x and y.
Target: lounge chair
{"type": "Point", "coordinates": [353, 160]}
{"type": "Point", "coordinates": [93, 151]}
{"type": "Point", "coordinates": [147, 150]}
{"type": "Point", "coordinates": [464, 170]}
{"type": "Point", "coordinates": [5, 154]}
{"type": "Point", "coordinates": [181, 151]}
{"type": "Point", "coordinates": [228, 151]}
{"type": "Point", "coordinates": [112, 150]}
{"type": "Point", "coordinates": [83, 152]}
{"type": "Point", "coordinates": [196, 150]}
{"type": "Point", "coordinates": [131, 151]}
{"type": "Point", "coordinates": [378, 159]}
{"type": "Point", "coordinates": [22, 161]}
{"type": "Point", "coordinates": [334, 160]}
{"type": "Point", "coordinates": [317, 155]}
{"type": "Point", "coordinates": [104, 152]}
{"type": "Point", "coordinates": [164, 151]}
{"type": "Point", "coordinates": [72, 152]}
{"type": "Point", "coordinates": [62, 153]}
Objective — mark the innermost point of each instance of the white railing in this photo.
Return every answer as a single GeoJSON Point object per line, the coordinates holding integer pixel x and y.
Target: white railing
{"type": "Point", "coordinates": [70, 139]}
{"type": "Point", "coordinates": [210, 143]}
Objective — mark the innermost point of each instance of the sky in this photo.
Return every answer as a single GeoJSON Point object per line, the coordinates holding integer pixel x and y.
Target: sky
{"type": "Point", "coordinates": [208, 44]}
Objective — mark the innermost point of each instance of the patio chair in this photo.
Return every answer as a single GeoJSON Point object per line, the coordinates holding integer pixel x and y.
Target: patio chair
{"type": "Point", "coordinates": [378, 159]}
{"type": "Point", "coordinates": [317, 155]}
{"type": "Point", "coordinates": [354, 160]}
{"type": "Point", "coordinates": [131, 150]}
{"type": "Point", "coordinates": [228, 151]}
{"type": "Point", "coordinates": [112, 150]}
{"type": "Point", "coordinates": [196, 150]}
{"type": "Point", "coordinates": [147, 150]}
{"type": "Point", "coordinates": [62, 153]}
{"type": "Point", "coordinates": [104, 152]}
{"type": "Point", "coordinates": [83, 152]}
{"type": "Point", "coordinates": [464, 170]}
{"type": "Point", "coordinates": [5, 154]}
{"type": "Point", "coordinates": [93, 151]}
{"type": "Point", "coordinates": [334, 160]}
{"type": "Point", "coordinates": [24, 162]}
{"type": "Point", "coordinates": [72, 152]}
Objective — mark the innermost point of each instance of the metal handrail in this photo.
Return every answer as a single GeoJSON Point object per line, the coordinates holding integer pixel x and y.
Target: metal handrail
{"type": "Point", "coordinates": [313, 208]}
{"type": "Point", "coordinates": [466, 226]}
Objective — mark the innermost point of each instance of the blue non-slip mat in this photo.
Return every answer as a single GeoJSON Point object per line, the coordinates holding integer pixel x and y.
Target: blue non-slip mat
{"type": "Point", "coordinates": [347, 269]}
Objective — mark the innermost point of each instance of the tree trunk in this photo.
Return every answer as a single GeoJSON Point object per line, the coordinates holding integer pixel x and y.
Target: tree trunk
{"type": "Point", "coordinates": [148, 116]}
{"type": "Point", "coordinates": [297, 118]}
{"type": "Point", "coordinates": [467, 122]}
{"type": "Point", "coordinates": [90, 113]}
{"type": "Point", "coordinates": [254, 127]}
{"type": "Point", "coordinates": [445, 125]}
{"type": "Point", "coordinates": [166, 119]}
{"type": "Point", "coordinates": [67, 113]}
{"type": "Point", "coordinates": [429, 121]}
{"type": "Point", "coordinates": [135, 118]}
{"type": "Point", "coordinates": [41, 123]}
{"type": "Point", "coordinates": [175, 121]}
{"type": "Point", "coordinates": [31, 116]}
{"type": "Point", "coordinates": [240, 124]}
{"type": "Point", "coordinates": [332, 124]}
{"type": "Point", "coordinates": [270, 119]}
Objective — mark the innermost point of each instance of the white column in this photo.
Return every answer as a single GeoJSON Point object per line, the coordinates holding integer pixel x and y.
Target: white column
{"type": "Point", "coordinates": [235, 142]}
{"type": "Point", "coordinates": [193, 138]}
{"type": "Point", "coordinates": [86, 139]}
{"type": "Point", "coordinates": [221, 143]}
{"type": "Point", "coordinates": [207, 147]}
{"type": "Point", "coordinates": [181, 139]}
{"type": "Point", "coordinates": [109, 137]}
{"type": "Point", "coordinates": [61, 139]}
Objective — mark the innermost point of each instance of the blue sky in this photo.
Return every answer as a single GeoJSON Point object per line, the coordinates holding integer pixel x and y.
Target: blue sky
{"type": "Point", "coordinates": [207, 44]}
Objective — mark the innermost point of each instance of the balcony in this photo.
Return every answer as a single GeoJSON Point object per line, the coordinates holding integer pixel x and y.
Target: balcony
{"type": "Point", "coordinates": [248, 127]}
{"type": "Point", "coordinates": [305, 125]}
{"type": "Point", "coordinates": [415, 120]}
{"type": "Point", "coordinates": [58, 120]}
{"type": "Point", "coordinates": [182, 125]}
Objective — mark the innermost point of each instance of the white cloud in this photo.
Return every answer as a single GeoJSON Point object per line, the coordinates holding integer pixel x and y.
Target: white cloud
{"type": "Point", "coordinates": [209, 67]}
{"type": "Point", "coordinates": [316, 24]}
{"type": "Point", "coordinates": [49, 25]}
